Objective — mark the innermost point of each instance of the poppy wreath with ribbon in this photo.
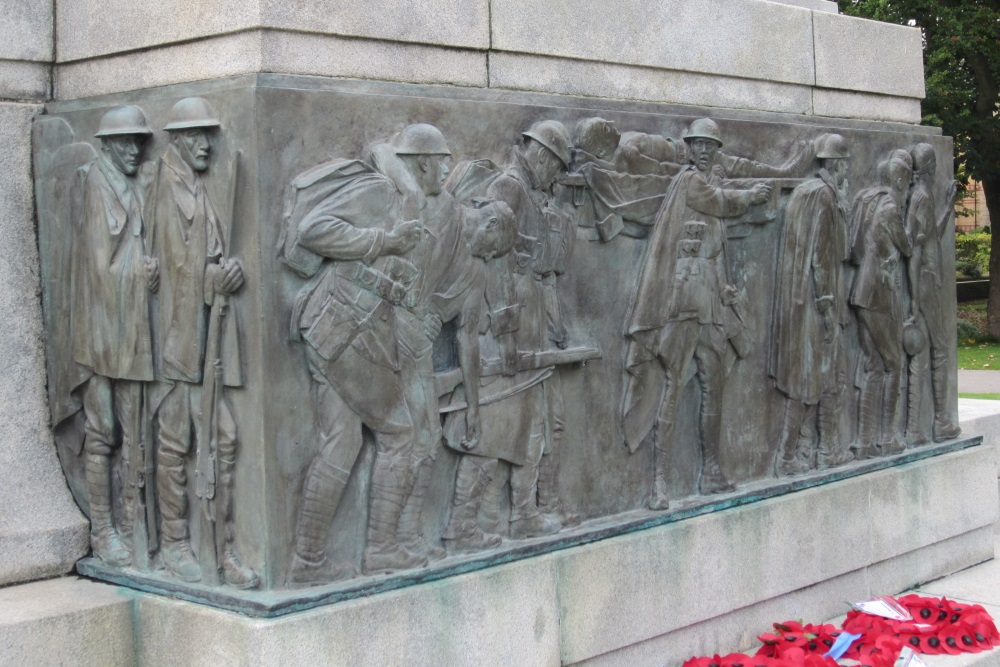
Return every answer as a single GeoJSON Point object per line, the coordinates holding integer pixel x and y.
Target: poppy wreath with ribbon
{"type": "Point", "coordinates": [939, 626]}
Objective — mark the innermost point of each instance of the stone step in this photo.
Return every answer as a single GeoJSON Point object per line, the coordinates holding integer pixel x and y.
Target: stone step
{"type": "Point", "coordinates": [66, 621]}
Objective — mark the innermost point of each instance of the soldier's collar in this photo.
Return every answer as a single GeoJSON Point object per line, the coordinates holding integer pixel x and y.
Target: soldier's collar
{"type": "Point", "coordinates": [172, 159]}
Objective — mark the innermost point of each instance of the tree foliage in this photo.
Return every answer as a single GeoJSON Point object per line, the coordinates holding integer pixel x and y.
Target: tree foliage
{"type": "Point", "coordinates": [962, 75]}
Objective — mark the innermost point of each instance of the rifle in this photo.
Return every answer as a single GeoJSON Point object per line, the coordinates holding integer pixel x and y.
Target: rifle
{"type": "Point", "coordinates": [144, 534]}
{"type": "Point", "coordinates": [145, 538]}
{"type": "Point", "coordinates": [213, 536]}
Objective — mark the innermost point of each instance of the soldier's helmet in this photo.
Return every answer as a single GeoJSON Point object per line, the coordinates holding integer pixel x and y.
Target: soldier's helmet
{"type": "Point", "coordinates": [704, 128]}
{"type": "Point", "coordinates": [830, 146]}
{"type": "Point", "coordinates": [914, 341]}
{"type": "Point", "coordinates": [123, 120]}
{"type": "Point", "coordinates": [421, 139]}
{"type": "Point", "coordinates": [553, 135]}
{"type": "Point", "coordinates": [924, 159]}
{"type": "Point", "coordinates": [191, 113]}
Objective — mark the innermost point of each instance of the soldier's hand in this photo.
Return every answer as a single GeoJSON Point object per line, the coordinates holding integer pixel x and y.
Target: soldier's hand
{"type": "Point", "coordinates": [472, 434]}
{"type": "Point", "coordinates": [760, 193]}
{"type": "Point", "coordinates": [403, 237]}
{"type": "Point", "coordinates": [729, 295]}
{"type": "Point", "coordinates": [151, 268]}
{"type": "Point", "coordinates": [432, 326]}
{"type": "Point", "coordinates": [229, 277]}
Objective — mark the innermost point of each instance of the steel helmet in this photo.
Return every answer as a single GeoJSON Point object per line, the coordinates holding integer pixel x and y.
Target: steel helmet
{"type": "Point", "coordinates": [924, 159]}
{"type": "Point", "coordinates": [704, 128]}
{"type": "Point", "coordinates": [829, 146]}
{"type": "Point", "coordinates": [126, 119]}
{"type": "Point", "coordinates": [191, 112]}
{"type": "Point", "coordinates": [421, 139]}
{"type": "Point", "coordinates": [553, 135]}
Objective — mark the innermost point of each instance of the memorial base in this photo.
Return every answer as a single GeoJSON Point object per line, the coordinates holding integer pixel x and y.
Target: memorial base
{"type": "Point", "coordinates": [652, 596]}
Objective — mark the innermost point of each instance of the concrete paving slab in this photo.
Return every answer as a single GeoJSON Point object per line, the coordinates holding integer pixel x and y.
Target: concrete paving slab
{"type": "Point", "coordinates": [975, 408]}
{"type": "Point", "coordinates": [978, 382]}
{"type": "Point", "coordinates": [979, 584]}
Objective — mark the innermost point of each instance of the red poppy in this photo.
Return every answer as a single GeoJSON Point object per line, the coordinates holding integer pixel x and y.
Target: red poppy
{"type": "Point", "coordinates": [951, 639]}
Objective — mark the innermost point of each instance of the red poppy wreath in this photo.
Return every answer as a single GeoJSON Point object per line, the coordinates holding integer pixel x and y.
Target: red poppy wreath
{"type": "Point", "coordinates": [937, 626]}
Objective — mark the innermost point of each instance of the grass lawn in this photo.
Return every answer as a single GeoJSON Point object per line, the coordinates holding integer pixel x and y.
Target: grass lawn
{"type": "Point", "coordinates": [984, 397]}
{"type": "Point", "coordinates": [979, 354]}
{"type": "Point", "coordinates": [976, 351]}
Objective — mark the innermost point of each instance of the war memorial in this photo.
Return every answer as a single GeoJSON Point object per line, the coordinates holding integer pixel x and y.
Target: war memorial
{"type": "Point", "coordinates": [499, 332]}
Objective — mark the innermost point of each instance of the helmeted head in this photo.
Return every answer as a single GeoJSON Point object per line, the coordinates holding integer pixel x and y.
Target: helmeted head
{"type": "Point", "coordinates": [898, 171]}
{"type": "Point", "coordinates": [492, 228]}
{"type": "Point", "coordinates": [123, 133]}
{"type": "Point", "coordinates": [704, 141]}
{"type": "Point", "coordinates": [832, 146]}
{"type": "Point", "coordinates": [547, 150]}
{"type": "Point", "coordinates": [425, 151]}
{"type": "Point", "coordinates": [833, 154]}
{"type": "Point", "coordinates": [191, 125]}
{"type": "Point", "coordinates": [924, 162]}
{"type": "Point", "coordinates": [598, 137]}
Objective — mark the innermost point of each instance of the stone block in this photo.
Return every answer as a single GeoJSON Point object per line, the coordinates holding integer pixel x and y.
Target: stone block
{"type": "Point", "coordinates": [980, 417]}
{"type": "Point", "coordinates": [89, 28]}
{"type": "Point", "coordinates": [738, 629]}
{"type": "Point", "coordinates": [868, 56]}
{"type": "Point", "coordinates": [24, 80]}
{"type": "Point", "coordinates": [456, 23]}
{"type": "Point", "coordinates": [517, 71]}
{"type": "Point", "coordinates": [979, 584]}
{"type": "Point", "coordinates": [298, 53]}
{"type": "Point", "coordinates": [720, 563]}
{"type": "Point", "coordinates": [932, 507]}
{"type": "Point", "coordinates": [42, 532]}
{"type": "Point", "coordinates": [815, 5]}
{"type": "Point", "coordinates": [26, 31]}
{"type": "Point", "coordinates": [270, 51]}
{"type": "Point", "coordinates": [738, 38]}
{"type": "Point", "coordinates": [503, 616]}
{"type": "Point", "coordinates": [67, 621]}
{"type": "Point", "coordinates": [867, 106]}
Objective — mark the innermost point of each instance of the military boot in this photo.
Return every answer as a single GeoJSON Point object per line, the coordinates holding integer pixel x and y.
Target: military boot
{"type": "Point", "coordinates": [944, 426]}
{"type": "Point", "coordinates": [831, 451]}
{"type": "Point", "coordinates": [384, 554]}
{"type": "Point", "coordinates": [659, 497]}
{"type": "Point", "coordinates": [548, 494]}
{"type": "Point", "coordinates": [104, 539]}
{"type": "Point", "coordinates": [525, 519]}
{"type": "Point", "coordinates": [915, 435]}
{"type": "Point", "coordinates": [788, 462]}
{"type": "Point", "coordinates": [712, 480]}
{"type": "Point", "coordinates": [892, 439]}
{"type": "Point", "coordinates": [463, 533]}
{"type": "Point", "coordinates": [175, 551]}
{"type": "Point", "coordinates": [235, 573]}
{"type": "Point", "coordinates": [410, 535]}
{"type": "Point", "coordinates": [325, 484]}
{"type": "Point", "coordinates": [868, 418]}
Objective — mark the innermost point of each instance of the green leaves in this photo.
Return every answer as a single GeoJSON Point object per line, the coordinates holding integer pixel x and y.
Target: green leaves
{"type": "Point", "coordinates": [961, 70]}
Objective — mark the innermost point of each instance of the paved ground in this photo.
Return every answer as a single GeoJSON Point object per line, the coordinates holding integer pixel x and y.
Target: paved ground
{"type": "Point", "coordinates": [978, 382]}
{"type": "Point", "coordinates": [979, 584]}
